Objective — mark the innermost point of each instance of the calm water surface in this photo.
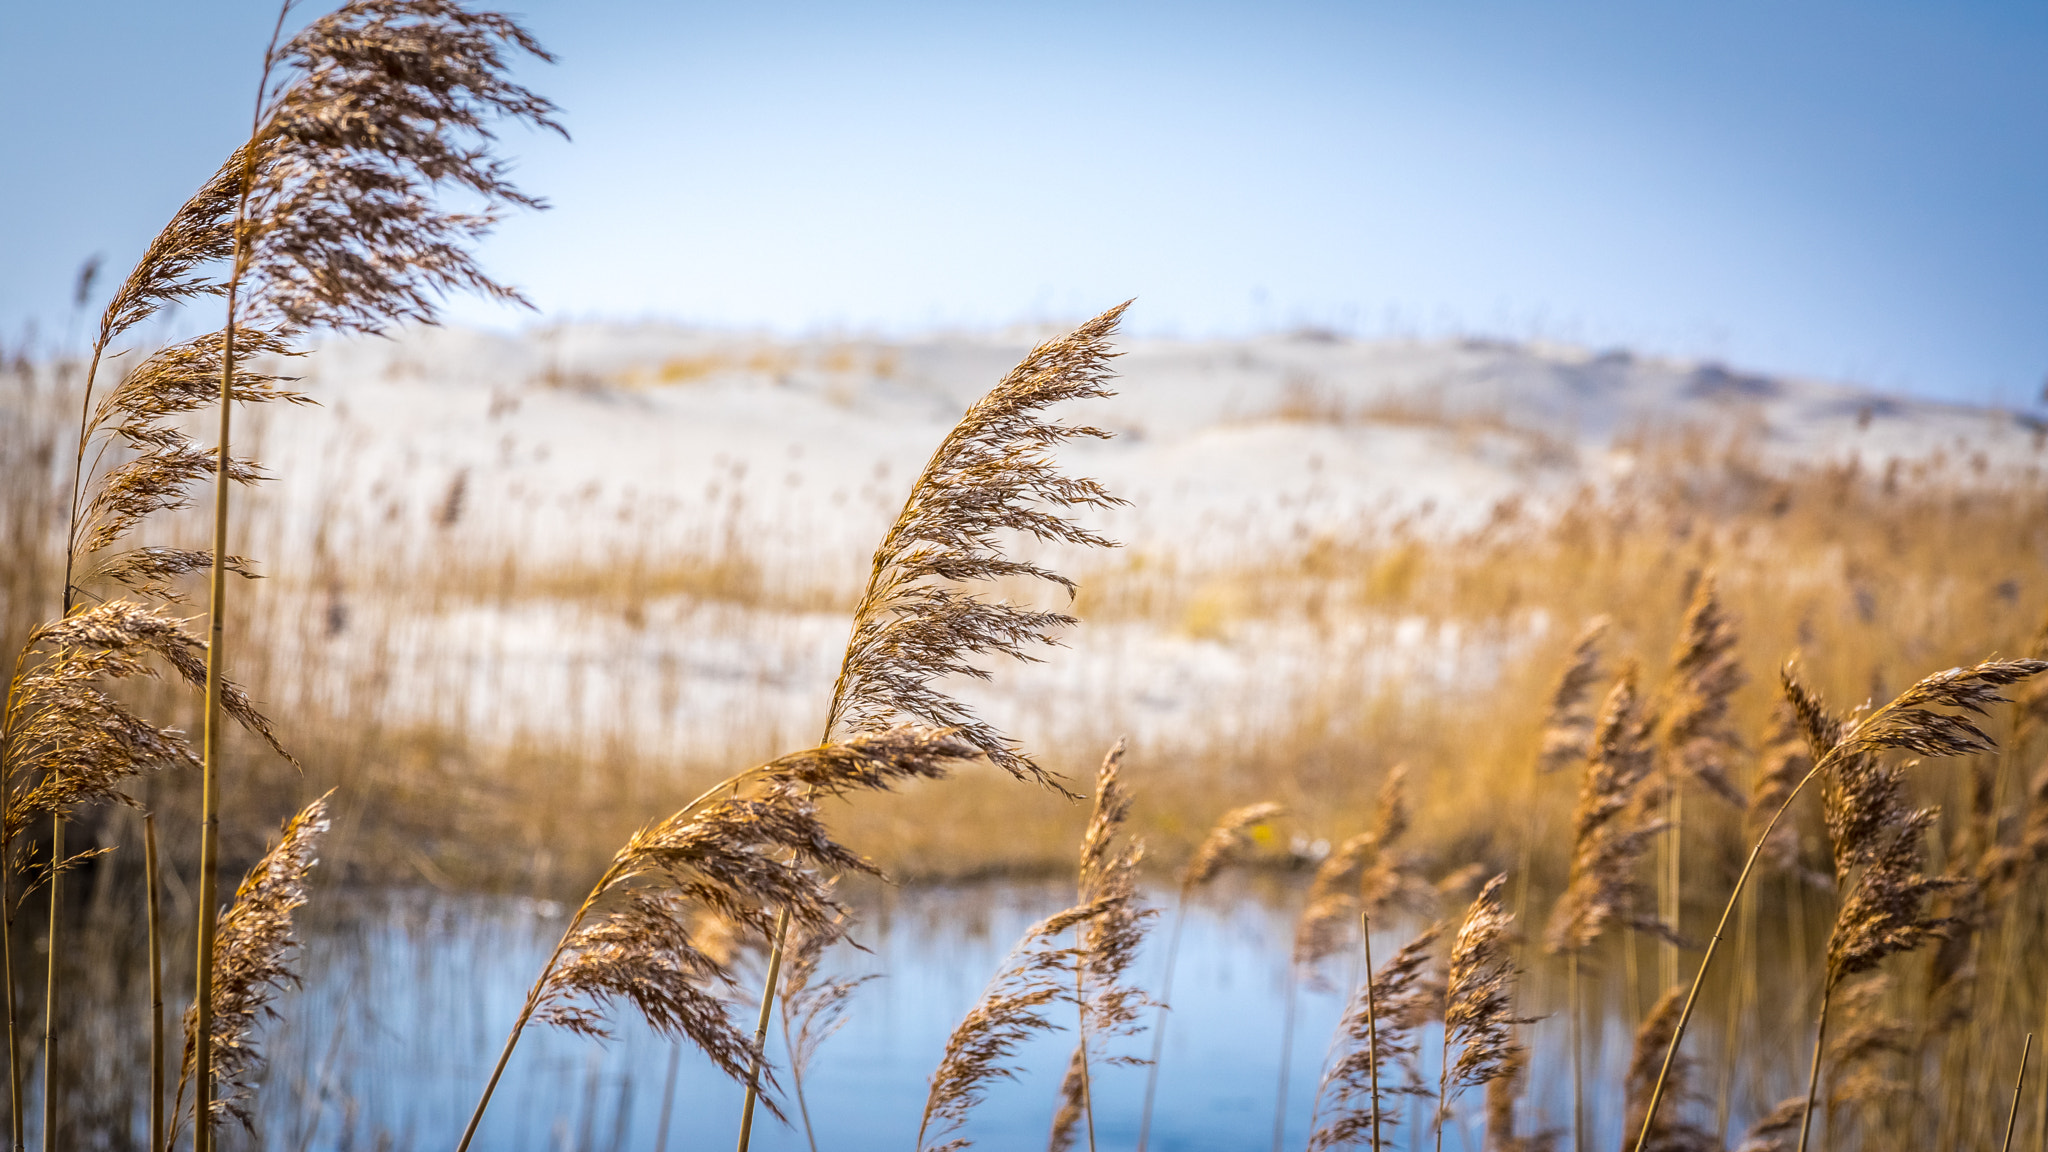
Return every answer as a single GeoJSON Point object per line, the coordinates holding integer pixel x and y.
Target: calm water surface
{"type": "Point", "coordinates": [409, 996]}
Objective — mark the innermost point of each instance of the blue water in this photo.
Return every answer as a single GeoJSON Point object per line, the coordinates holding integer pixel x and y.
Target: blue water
{"type": "Point", "coordinates": [409, 997]}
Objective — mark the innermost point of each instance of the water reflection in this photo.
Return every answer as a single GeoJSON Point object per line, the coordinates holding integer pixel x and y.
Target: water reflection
{"type": "Point", "coordinates": [409, 996]}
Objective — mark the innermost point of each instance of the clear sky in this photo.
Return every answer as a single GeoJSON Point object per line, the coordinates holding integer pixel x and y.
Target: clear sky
{"type": "Point", "coordinates": [1856, 190]}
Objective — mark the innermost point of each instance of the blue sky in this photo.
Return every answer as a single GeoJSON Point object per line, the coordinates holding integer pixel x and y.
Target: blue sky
{"type": "Point", "coordinates": [1850, 190]}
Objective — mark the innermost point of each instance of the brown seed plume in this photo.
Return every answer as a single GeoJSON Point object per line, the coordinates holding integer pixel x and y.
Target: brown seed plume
{"type": "Point", "coordinates": [1705, 676]}
{"type": "Point", "coordinates": [65, 740]}
{"type": "Point", "coordinates": [1037, 976]}
{"type": "Point", "coordinates": [1109, 883]}
{"type": "Point", "coordinates": [1073, 1097]}
{"type": "Point", "coordinates": [1226, 843]}
{"type": "Point", "coordinates": [1671, 1133]}
{"type": "Point", "coordinates": [374, 110]}
{"type": "Point", "coordinates": [1479, 994]}
{"type": "Point", "coordinates": [1568, 727]}
{"type": "Point", "coordinates": [754, 850]}
{"type": "Point", "coordinates": [1404, 1000]}
{"type": "Point", "coordinates": [1109, 941]}
{"type": "Point", "coordinates": [253, 955]}
{"type": "Point", "coordinates": [1366, 872]}
{"type": "Point", "coordinates": [1778, 1129]}
{"type": "Point", "coordinates": [915, 624]}
{"type": "Point", "coordinates": [1885, 912]}
{"type": "Point", "coordinates": [1611, 825]}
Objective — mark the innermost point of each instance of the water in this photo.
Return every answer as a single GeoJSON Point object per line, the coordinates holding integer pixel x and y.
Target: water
{"type": "Point", "coordinates": [409, 996]}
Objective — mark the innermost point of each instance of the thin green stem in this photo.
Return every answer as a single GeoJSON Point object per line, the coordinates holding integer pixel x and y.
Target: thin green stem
{"type": "Point", "coordinates": [7, 962]}
{"type": "Point", "coordinates": [1443, 1081]}
{"type": "Point", "coordinates": [668, 1095]}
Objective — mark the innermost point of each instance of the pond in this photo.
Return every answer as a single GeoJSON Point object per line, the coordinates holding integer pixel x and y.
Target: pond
{"type": "Point", "coordinates": [409, 994]}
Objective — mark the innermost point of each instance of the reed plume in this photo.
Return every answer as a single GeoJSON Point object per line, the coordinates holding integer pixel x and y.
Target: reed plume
{"type": "Point", "coordinates": [1017, 1005]}
{"type": "Point", "coordinates": [1776, 1130]}
{"type": "Point", "coordinates": [1379, 1032]}
{"type": "Point", "coordinates": [1365, 873]}
{"type": "Point", "coordinates": [1611, 824]}
{"type": "Point", "coordinates": [747, 851]}
{"type": "Point", "coordinates": [1705, 675]}
{"type": "Point", "coordinates": [1653, 1037]}
{"type": "Point", "coordinates": [1785, 760]}
{"type": "Point", "coordinates": [1107, 944]}
{"type": "Point", "coordinates": [992, 474]}
{"type": "Point", "coordinates": [363, 119]}
{"type": "Point", "coordinates": [1224, 846]}
{"type": "Point", "coordinates": [254, 959]}
{"type": "Point", "coordinates": [914, 626]}
{"type": "Point", "coordinates": [1569, 723]}
{"type": "Point", "coordinates": [1361, 874]}
{"type": "Point", "coordinates": [1932, 718]}
{"type": "Point", "coordinates": [1479, 998]}
{"type": "Point", "coordinates": [1696, 743]}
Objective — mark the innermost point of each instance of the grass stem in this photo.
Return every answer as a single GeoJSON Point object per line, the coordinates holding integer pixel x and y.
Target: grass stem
{"type": "Point", "coordinates": [51, 1114]}
{"type": "Point", "coordinates": [2026, 1048]}
{"type": "Point", "coordinates": [761, 1028]}
{"type": "Point", "coordinates": [156, 986]}
{"type": "Point", "coordinates": [1372, 1030]}
{"type": "Point", "coordinates": [1707, 960]}
{"type": "Point", "coordinates": [1820, 1041]}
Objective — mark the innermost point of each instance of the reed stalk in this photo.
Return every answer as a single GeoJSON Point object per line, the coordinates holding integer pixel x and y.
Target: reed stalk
{"type": "Point", "coordinates": [156, 985]}
{"type": "Point", "coordinates": [913, 626]}
{"type": "Point", "coordinates": [1813, 1071]}
{"type": "Point", "coordinates": [1372, 1027]}
{"type": "Point", "coordinates": [768, 992]}
{"type": "Point", "coordinates": [2012, 1117]}
{"type": "Point", "coordinates": [1081, 1031]}
{"type": "Point", "coordinates": [1909, 721]}
{"type": "Point", "coordinates": [1572, 1011]}
{"type": "Point", "coordinates": [51, 1112]}
{"type": "Point", "coordinates": [7, 962]}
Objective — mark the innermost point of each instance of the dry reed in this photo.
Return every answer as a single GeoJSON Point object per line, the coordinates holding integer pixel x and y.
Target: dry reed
{"type": "Point", "coordinates": [1107, 944]}
{"type": "Point", "coordinates": [1380, 1031]}
{"type": "Point", "coordinates": [992, 475]}
{"type": "Point", "coordinates": [1479, 997]}
{"type": "Point", "coordinates": [1035, 977]}
{"type": "Point", "coordinates": [254, 959]}
{"type": "Point", "coordinates": [748, 851]}
{"type": "Point", "coordinates": [1653, 1037]}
